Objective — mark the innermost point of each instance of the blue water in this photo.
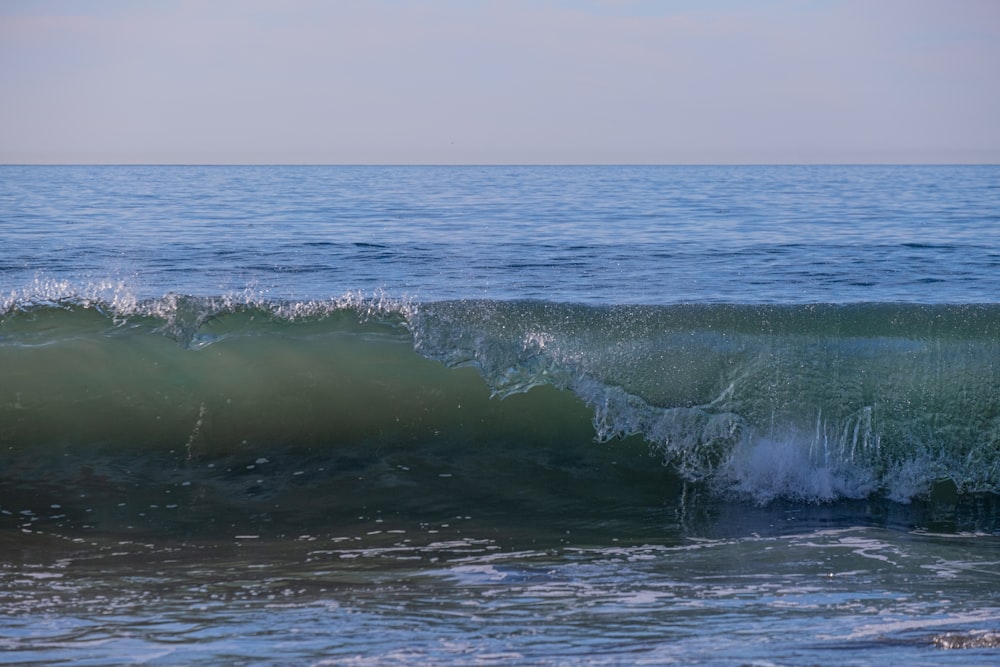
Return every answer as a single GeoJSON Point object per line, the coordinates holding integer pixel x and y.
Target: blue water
{"type": "Point", "coordinates": [652, 235]}
{"type": "Point", "coordinates": [492, 415]}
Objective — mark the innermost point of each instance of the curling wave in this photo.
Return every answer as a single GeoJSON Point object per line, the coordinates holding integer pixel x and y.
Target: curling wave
{"type": "Point", "coordinates": [812, 403]}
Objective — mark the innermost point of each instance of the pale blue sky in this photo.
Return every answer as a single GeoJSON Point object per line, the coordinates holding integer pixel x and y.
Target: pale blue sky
{"type": "Point", "coordinates": [500, 81]}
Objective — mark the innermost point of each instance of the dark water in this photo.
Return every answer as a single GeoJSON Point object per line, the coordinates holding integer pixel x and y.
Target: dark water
{"type": "Point", "coordinates": [543, 415]}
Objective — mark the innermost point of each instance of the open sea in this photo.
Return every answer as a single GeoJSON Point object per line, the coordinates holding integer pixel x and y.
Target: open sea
{"type": "Point", "coordinates": [605, 415]}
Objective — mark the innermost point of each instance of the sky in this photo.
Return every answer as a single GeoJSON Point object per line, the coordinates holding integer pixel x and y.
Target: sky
{"type": "Point", "coordinates": [499, 81]}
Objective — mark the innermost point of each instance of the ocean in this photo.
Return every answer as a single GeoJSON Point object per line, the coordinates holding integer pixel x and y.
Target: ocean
{"type": "Point", "coordinates": [451, 415]}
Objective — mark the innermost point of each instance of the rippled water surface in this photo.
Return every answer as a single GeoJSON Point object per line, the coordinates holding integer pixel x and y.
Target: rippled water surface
{"type": "Point", "coordinates": [582, 234]}
{"type": "Point", "coordinates": [439, 595]}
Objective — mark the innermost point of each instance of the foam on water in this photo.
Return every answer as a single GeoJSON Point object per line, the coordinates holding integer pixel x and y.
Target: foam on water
{"type": "Point", "coordinates": [821, 595]}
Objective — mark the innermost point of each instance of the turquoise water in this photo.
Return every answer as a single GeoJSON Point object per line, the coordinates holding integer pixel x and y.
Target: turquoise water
{"type": "Point", "coordinates": [535, 415]}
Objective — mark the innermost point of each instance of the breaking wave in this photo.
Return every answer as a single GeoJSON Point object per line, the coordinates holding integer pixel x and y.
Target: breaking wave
{"type": "Point", "coordinates": [801, 402]}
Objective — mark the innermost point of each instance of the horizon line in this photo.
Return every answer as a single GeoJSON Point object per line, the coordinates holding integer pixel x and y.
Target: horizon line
{"type": "Point", "coordinates": [499, 164]}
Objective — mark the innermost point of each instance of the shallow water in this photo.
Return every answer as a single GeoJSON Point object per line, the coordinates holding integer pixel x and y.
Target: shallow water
{"type": "Point", "coordinates": [386, 591]}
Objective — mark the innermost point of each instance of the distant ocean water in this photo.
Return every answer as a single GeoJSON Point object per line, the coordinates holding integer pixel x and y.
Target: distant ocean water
{"type": "Point", "coordinates": [543, 415]}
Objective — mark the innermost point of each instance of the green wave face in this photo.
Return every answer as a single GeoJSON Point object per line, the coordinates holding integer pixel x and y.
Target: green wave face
{"type": "Point", "coordinates": [810, 403]}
